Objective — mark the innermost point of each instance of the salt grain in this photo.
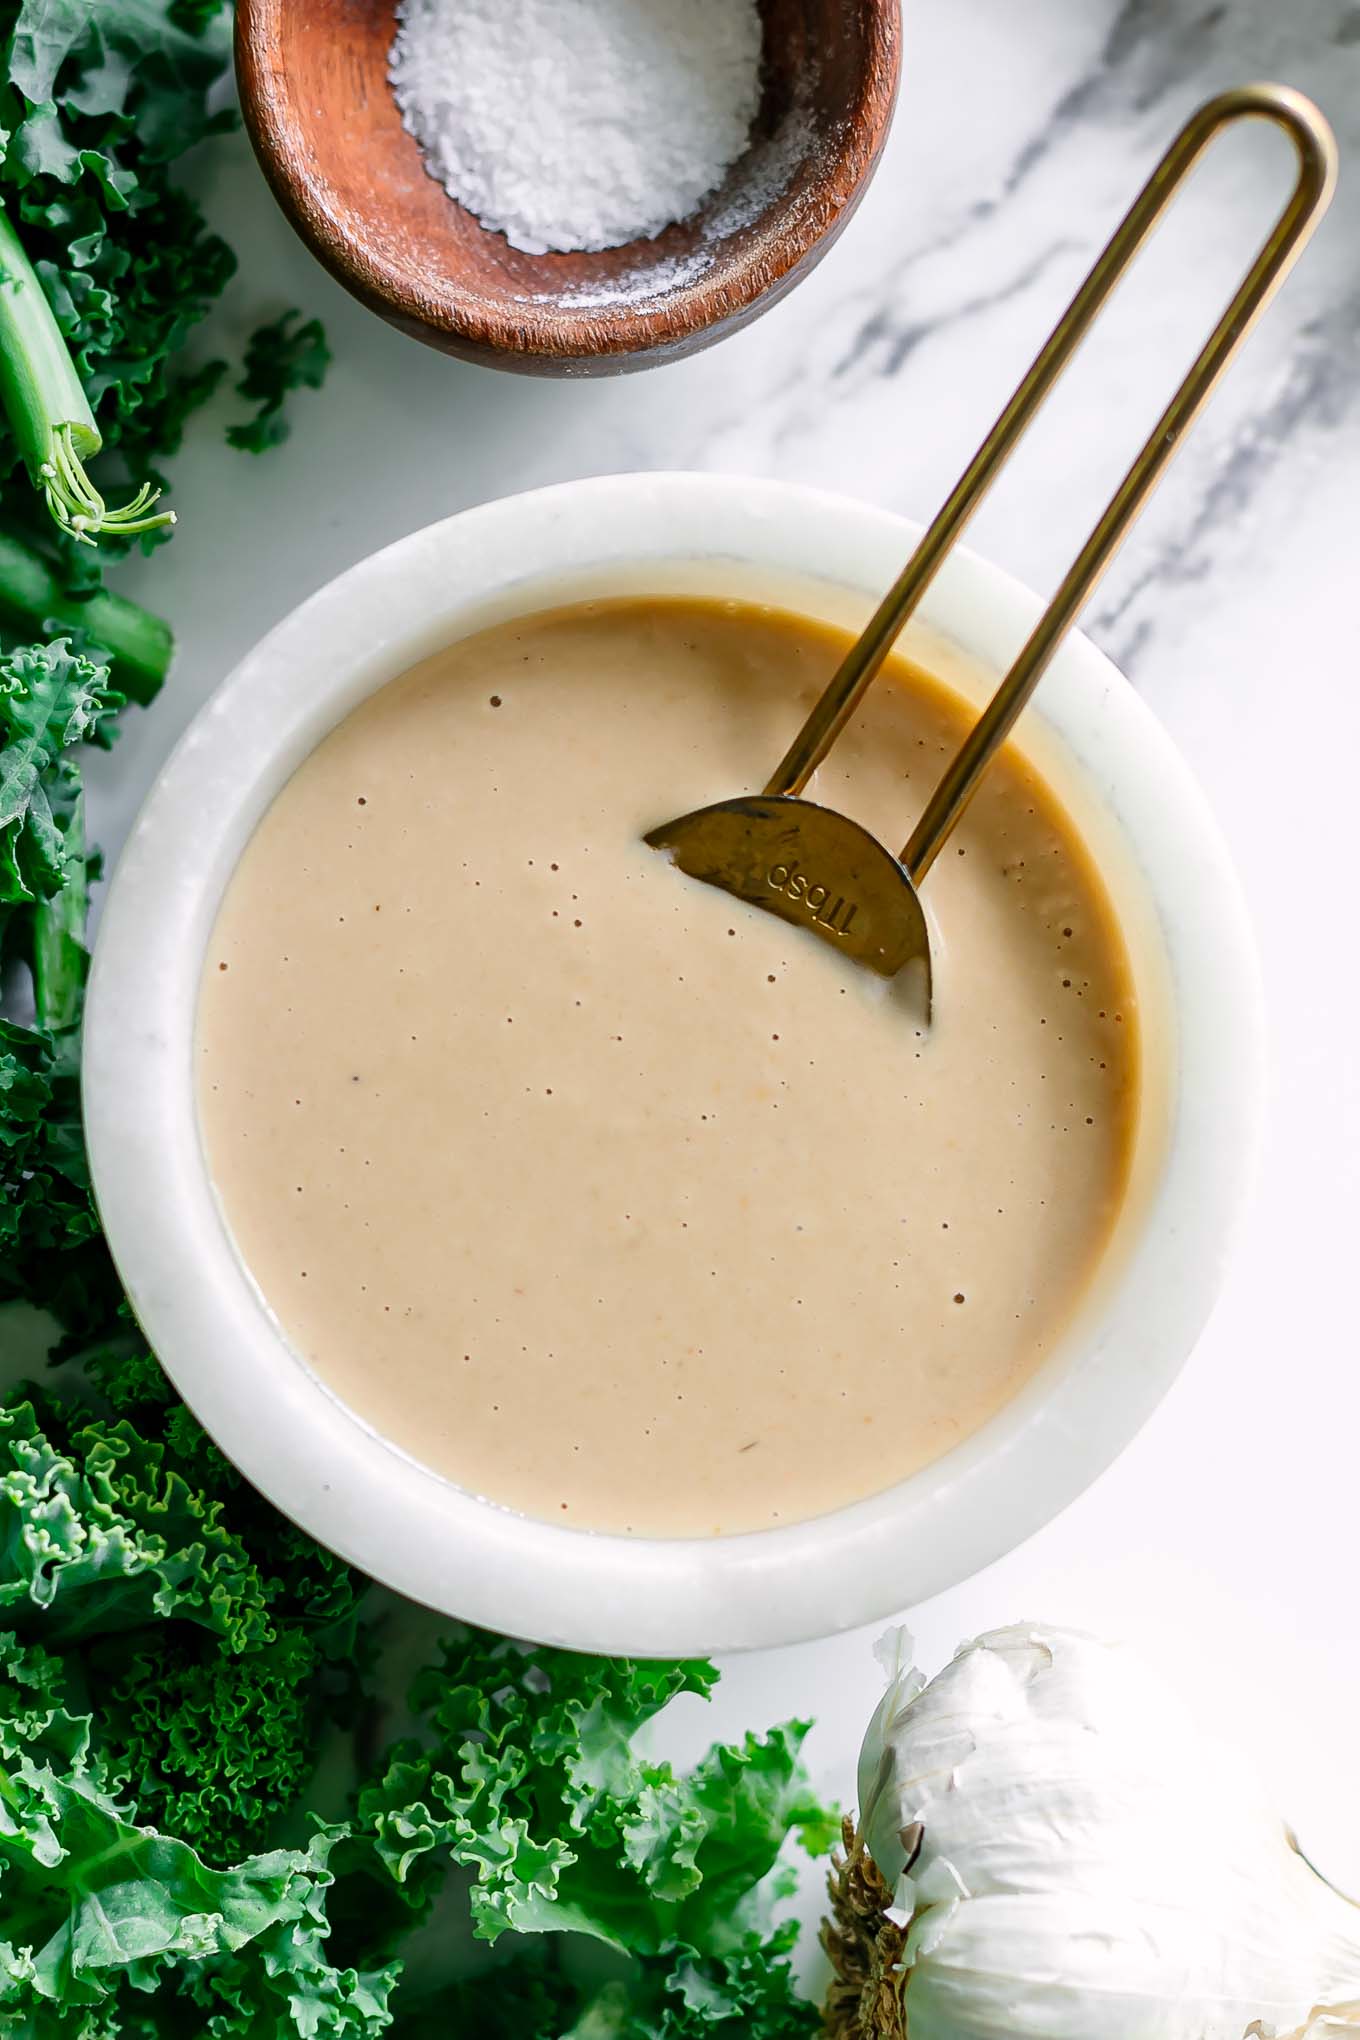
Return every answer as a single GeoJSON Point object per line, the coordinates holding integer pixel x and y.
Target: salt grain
{"type": "Point", "coordinates": [578, 124]}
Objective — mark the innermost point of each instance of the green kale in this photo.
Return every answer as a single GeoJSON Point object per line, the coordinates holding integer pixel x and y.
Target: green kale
{"type": "Point", "coordinates": [52, 1252]}
{"type": "Point", "coordinates": [746, 1995]}
{"type": "Point", "coordinates": [213, 1746]}
{"type": "Point", "coordinates": [98, 1534]}
{"type": "Point", "coordinates": [311, 1587]}
{"type": "Point", "coordinates": [104, 1527]}
{"type": "Point", "coordinates": [194, 16]}
{"type": "Point", "coordinates": [49, 413]}
{"type": "Point", "coordinates": [526, 1775]}
{"type": "Point", "coordinates": [50, 699]}
{"type": "Point", "coordinates": [280, 358]}
{"type": "Point", "coordinates": [215, 1633]}
{"type": "Point", "coordinates": [530, 1998]}
{"type": "Point", "coordinates": [90, 1900]}
{"type": "Point", "coordinates": [210, 1642]}
{"type": "Point", "coordinates": [99, 103]}
{"type": "Point", "coordinates": [59, 959]}
{"type": "Point", "coordinates": [36, 597]}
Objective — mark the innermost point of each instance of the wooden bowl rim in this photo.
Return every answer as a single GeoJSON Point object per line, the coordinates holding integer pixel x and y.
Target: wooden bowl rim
{"type": "Point", "coordinates": [539, 332]}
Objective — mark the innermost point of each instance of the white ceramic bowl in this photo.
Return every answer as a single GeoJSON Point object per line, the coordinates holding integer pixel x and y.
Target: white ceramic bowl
{"type": "Point", "coordinates": [1173, 888]}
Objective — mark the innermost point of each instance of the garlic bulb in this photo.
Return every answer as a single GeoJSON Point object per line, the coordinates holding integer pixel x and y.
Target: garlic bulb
{"type": "Point", "coordinates": [1078, 1863]}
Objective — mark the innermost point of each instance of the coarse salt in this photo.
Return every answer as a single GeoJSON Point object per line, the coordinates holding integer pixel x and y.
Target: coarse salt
{"type": "Point", "coordinates": [578, 124]}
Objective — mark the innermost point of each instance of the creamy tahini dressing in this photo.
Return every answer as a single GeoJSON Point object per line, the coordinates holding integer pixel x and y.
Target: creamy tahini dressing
{"type": "Point", "coordinates": [607, 1197]}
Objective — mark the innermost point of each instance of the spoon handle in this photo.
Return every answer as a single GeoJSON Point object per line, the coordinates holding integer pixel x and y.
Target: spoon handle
{"type": "Point", "coordinates": [1316, 149]}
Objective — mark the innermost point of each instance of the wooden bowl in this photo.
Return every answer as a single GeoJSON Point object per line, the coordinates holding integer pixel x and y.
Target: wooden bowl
{"type": "Point", "coordinates": [320, 111]}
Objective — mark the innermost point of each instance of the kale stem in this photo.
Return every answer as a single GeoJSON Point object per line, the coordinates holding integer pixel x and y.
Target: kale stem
{"type": "Point", "coordinates": [60, 958]}
{"type": "Point", "coordinates": [48, 410]}
{"type": "Point", "coordinates": [137, 642]}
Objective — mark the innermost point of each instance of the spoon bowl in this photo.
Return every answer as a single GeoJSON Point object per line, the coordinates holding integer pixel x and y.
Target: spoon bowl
{"type": "Point", "coordinates": [320, 112]}
{"type": "Point", "coordinates": [813, 868]}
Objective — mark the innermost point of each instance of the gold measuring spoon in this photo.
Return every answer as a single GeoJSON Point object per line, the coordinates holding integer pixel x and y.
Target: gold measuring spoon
{"type": "Point", "coordinates": [817, 868]}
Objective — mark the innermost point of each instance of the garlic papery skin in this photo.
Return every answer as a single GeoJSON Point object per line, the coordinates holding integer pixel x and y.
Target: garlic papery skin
{"type": "Point", "coordinates": [1089, 1866]}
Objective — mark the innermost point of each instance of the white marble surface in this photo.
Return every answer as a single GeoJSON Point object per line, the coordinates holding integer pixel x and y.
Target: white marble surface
{"type": "Point", "coordinates": [1224, 1541]}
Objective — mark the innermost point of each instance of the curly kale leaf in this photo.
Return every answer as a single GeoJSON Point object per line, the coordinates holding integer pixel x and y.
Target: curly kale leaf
{"type": "Point", "coordinates": [747, 1994]}
{"type": "Point", "coordinates": [283, 1987]}
{"type": "Point", "coordinates": [205, 1717]}
{"type": "Point", "coordinates": [52, 1253]}
{"type": "Point", "coordinates": [128, 62]}
{"type": "Point", "coordinates": [98, 1535]}
{"type": "Point", "coordinates": [89, 1899]}
{"type": "Point", "coordinates": [51, 697]}
{"type": "Point", "coordinates": [211, 1745]}
{"type": "Point", "coordinates": [310, 1585]}
{"type": "Point", "coordinates": [530, 1780]}
{"type": "Point", "coordinates": [195, 16]}
{"type": "Point", "coordinates": [100, 101]}
{"type": "Point", "coordinates": [527, 1999]}
{"type": "Point", "coordinates": [216, 1638]}
{"type": "Point", "coordinates": [280, 357]}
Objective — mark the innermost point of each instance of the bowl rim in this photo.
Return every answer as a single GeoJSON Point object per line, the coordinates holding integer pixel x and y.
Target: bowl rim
{"type": "Point", "coordinates": [317, 1461]}
{"type": "Point", "coordinates": [540, 337]}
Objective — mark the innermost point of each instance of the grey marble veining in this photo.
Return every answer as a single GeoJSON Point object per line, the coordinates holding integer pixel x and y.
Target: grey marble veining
{"type": "Point", "coordinates": [960, 302]}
